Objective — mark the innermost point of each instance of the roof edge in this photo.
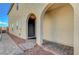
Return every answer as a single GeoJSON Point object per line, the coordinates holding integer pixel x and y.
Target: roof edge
{"type": "Point", "coordinates": [10, 8]}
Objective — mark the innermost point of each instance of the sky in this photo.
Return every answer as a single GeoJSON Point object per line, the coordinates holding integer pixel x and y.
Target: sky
{"type": "Point", "coordinates": [4, 9]}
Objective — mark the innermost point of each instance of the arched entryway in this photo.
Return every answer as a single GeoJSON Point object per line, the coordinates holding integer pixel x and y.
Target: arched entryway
{"type": "Point", "coordinates": [31, 26]}
{"type": "Point", "coordinates": [30, 31]}
{"type": "Point", "coordinates": [58, 28]}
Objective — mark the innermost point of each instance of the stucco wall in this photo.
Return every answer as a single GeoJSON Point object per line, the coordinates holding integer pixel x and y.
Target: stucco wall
{"type": "Point", "coordinates": [14, 18]}
{"type": "Point", "coordinates": [21, 17]}
{"type": "Point", "coordinates": [76, 28]}
{"type": "Point", "coordinates": [59, 27]}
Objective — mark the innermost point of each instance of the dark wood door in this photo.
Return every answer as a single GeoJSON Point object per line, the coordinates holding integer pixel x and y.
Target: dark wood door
{"type": "Point", "coordinates": [31, 28]}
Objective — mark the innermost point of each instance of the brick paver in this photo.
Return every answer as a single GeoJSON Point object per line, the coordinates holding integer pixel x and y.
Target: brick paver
{"type": "Point", "coordinates": [15, 46]}
{"type": "Point", "coordinates": [29, 47]}
{"type": "Point", "coordinates": [37, 50]}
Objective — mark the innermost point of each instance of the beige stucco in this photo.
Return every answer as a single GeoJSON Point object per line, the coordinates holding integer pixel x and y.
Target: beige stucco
{"type": "Point", "coordinates": [21, 17]}
{"type": "Point", "coordinates": [59, 25]}
{"type": "Point", "coordinates": [76, 28]}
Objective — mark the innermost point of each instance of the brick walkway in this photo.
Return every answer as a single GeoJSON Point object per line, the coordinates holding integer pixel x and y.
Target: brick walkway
{"type": "Point", "coordinates": [15, 46]}
{"type": "Point", "coordinates": [37, 50]}
{"type": "Point", "coordinates": [29, 47]}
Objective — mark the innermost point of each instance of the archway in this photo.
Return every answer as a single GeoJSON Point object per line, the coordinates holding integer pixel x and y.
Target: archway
{"type": "Point", "coordinates": [31, 26]}
{"type": "Point", "coordinates": [58, 28]}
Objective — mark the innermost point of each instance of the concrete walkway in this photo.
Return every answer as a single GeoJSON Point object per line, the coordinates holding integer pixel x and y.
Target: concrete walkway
{"type": "Point", "coordinates": [8, 46]}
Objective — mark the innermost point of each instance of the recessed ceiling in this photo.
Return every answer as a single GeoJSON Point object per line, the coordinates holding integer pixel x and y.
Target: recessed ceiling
{"type": "Point", "coordinates": [55, 6]}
